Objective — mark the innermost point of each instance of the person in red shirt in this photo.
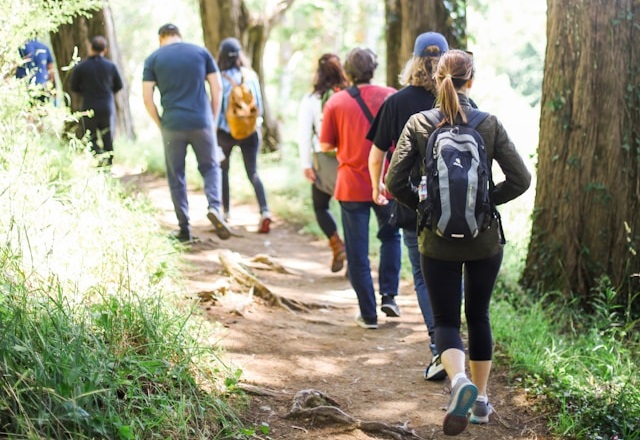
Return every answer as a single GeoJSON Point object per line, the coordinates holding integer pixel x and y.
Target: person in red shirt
{"type": "Point", "coordinates": [346, 120]}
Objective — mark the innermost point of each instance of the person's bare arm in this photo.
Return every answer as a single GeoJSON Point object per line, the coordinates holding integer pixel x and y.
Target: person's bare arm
{"type": "Point", "coordinates": [147, 97]}
{"type": "Point", "coordinates": [376, 157]}
{"type": "Point", "coordinates": [215, 89]}
{"type": "Point", "coordinates": [326, 147]}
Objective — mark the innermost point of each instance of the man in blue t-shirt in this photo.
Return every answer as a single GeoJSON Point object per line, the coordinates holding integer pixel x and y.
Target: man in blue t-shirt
{"type": "Point", "coordinates": [97, 79]}
{"type": "Point", "coordinates": [37, 66]}
{"type": "Point", "coordinates": [179, 70]}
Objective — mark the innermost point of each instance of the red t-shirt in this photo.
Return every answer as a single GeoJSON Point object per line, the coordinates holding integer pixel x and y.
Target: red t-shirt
{"type": "Point", "coordinates": [345, 126]}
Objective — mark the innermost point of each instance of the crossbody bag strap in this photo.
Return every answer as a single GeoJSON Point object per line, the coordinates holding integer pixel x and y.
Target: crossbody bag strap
{"type": "Point", "coordinates": [355, 94]}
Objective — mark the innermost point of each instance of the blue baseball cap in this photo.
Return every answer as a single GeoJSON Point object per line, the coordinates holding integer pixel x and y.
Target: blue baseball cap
{"type": "Point", "coordinates": [429, 40]}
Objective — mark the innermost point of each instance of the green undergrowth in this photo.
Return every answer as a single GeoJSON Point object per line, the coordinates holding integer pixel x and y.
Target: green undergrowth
{"type": "Point", "coordinates": [97, 337]}
{"type": "Point", "coordinates": [579, 369]}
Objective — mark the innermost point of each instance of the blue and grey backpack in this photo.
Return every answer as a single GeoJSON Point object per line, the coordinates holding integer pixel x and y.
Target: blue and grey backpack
{"type": "Point", "coordinates": [457, 202]}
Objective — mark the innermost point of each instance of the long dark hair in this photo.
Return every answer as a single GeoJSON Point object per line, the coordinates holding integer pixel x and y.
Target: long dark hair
{"type": "Point", "coordinates": [329, 74]}
{"type": "Point", "coordinates": [228, 61]}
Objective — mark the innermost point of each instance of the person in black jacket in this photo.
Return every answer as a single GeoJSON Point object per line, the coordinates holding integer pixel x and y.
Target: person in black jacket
{"type": "Point", "coordinates": [97, 79]}
{"type": "Point", "coordinates": [443, 259]}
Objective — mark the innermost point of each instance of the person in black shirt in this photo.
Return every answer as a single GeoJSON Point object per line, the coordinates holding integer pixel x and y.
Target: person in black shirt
{"type": "Point", "coordinates": [418, 94]}
{"type": "Point", "coordinates": [97, 79]}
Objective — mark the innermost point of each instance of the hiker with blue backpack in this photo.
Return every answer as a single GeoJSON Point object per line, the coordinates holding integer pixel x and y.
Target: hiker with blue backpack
{"type": "Point", "coordinates": [459, 225]}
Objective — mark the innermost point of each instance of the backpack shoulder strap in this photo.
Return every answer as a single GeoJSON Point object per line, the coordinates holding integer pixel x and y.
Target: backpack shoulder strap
{"type": "Point", "coordinates": [433, 116]}
{"type": "Point", "coordinates": [355, 94]}
{"type": "Point", "coordinates": [475, 118]}
{"type": "Point", "coordinates": [228, 78]}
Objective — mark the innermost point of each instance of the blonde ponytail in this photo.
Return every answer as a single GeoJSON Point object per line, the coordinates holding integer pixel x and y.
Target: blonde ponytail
{"type": "Point", "coordinates": [454, 70]}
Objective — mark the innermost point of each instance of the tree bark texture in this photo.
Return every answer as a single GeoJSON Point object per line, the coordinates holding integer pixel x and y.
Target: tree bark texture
{"type": "Point", "coordinates": [231, 18]}
{"type": "Point", "coordinates": [586, 221]}
{"type": "Point", "coordinates": [406, 19]}
{"type": "Point", "coordinates": [78, 34]}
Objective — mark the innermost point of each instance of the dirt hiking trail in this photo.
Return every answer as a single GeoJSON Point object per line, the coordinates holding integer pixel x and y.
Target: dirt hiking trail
{"type": "Point", "coordinates": [373, 376]}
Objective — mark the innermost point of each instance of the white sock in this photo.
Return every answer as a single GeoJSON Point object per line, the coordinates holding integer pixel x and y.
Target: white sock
{"type": "Point", "coordinates": [483, 399]}
{"type": "Point", "coordinates": [456, 378]}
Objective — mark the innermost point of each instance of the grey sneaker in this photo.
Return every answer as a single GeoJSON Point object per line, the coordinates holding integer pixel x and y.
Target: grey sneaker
{"type": "Point", "coordinates": [366, 323]}
{"type": "Point", "coordinates": [435, 370]}
{"type": "Point", "coordinates": [222, 230]}
{"type": "Point", "coordinates": [389, 306]}
{"type": "Point", "coordinates": [480, 412]}
{"type": "Point", "coordinates": [463, 396]}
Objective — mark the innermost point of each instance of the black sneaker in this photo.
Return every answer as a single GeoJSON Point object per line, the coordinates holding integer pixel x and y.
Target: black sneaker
{"type": "Point", "coordinates": [435, 370]}
{"type": "Point", "coordinates": [366, 323]}
{"type": "Point", "coordinates": [222, 230]}
{"type": "Point", "coordinates": [389, 306]}
{"type": "Point", "coordinates": [183, 236]}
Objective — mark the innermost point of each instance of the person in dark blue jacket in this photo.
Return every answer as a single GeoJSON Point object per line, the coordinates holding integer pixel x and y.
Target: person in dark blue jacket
{"type": "Point", "coordinates": [37, 68]}
{"type": "Point", "coordinates": [97, 80]}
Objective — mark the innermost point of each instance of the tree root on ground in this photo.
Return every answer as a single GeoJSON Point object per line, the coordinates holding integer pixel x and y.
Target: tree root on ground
{"type": "Point", "coordinates": [265, 262]}
{"type": "Point", "coordinates": [321, 408]}
{"type": "Point", "coordinates": [231, 262]}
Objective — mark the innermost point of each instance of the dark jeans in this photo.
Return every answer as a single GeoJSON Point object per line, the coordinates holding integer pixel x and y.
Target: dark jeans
{"type": "Point", "coordinates": [203, 143]}
{"type": "Point", "coordinates": [443, 280]}
{"type": "Point", "coordinates": [101, 126]}
{"type": "Point", "coordinates": [324, 217]}
{"type": "Point", "coordinates": [355, 222]}
{"type": "Point", "coordinates": [410, 238]}
{"type": "Point", "coordinates": [249, 148]}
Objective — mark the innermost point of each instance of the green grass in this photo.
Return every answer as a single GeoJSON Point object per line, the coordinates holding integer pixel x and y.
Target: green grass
{"type": "Point", "coordinates": [581, 369]}
{"type": "Point", "coordinates": [97, 339]}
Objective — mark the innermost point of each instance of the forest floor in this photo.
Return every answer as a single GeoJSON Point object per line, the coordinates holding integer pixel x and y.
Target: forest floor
{"type": "Point", "coordinates": [370, 375]}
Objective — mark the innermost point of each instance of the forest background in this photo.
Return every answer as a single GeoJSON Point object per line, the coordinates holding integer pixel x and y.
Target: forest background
{"type": "Point", "coordinates": [71, 305]}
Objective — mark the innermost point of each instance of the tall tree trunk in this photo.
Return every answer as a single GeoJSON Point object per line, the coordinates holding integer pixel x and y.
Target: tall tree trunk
{"type": "Point", "coordinates": [393, 40]}
{"type": "Point", "coordinates": [76, 36]}
{"type": "Point", "coordinates": [406, 19]}
{"type": "Point", "coordinates": [231, 18]}
{"type": "Point", "coordinates": [586, 221]}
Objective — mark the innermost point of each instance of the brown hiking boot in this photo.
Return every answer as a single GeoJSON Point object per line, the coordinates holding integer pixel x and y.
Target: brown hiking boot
{"type": "Point", "coordinates": [339, 255]}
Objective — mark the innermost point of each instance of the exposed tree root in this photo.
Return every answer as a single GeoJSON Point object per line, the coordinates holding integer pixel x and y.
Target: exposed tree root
{"type": "Point", "coordinates": [265, 262]}
{"type": "Point", "coordinates": [321, 408]}
{"type": "Point", "coordinates": [260, 391]}
{"type": "Point", "coordinates": [231, 262]}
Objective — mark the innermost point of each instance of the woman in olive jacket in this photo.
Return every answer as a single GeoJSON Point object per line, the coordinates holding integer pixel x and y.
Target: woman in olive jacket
{"type": "Point", "coordinates": [443, 259]}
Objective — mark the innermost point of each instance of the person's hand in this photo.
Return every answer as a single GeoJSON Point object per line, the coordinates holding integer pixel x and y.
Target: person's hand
{"type": "Point", "coordinates": [380, 196]}
{"type": "Point", "coordinates": [309, 174]}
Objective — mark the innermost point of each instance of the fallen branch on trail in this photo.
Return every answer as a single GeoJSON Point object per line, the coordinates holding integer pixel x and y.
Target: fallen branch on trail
{"type": "Point", "coordinates": [265, 262]}
{"type": "Point", "coordinates": [231, 262]}
{"type": "Point", "coordinates": [320, 407]}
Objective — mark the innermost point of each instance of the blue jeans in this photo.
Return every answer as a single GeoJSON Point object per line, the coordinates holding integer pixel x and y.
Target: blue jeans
{"type": "Point", "coordinates": [410, 238]}
{"type": "Point", "coordinates": [355, 223]}
{"type": "Point", "coordinates": [203, 142]}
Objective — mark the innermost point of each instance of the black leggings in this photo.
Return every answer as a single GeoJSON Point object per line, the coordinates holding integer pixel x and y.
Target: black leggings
{"type": "Point", "coordinates": [443, 280]}
{"type": "Point", "coordinates": [321, 208]}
